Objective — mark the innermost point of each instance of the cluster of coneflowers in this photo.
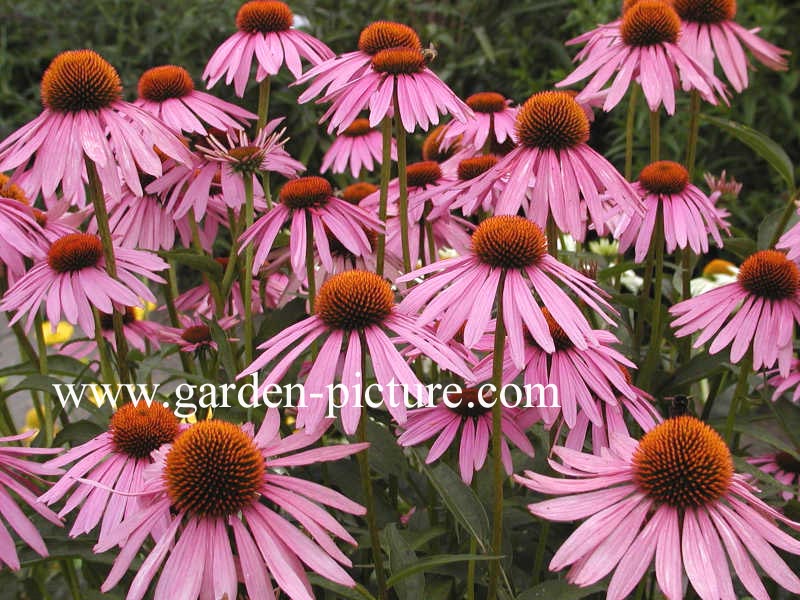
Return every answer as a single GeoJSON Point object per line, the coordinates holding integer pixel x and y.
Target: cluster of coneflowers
{"type": "Point", "coordinates": [449, 272]}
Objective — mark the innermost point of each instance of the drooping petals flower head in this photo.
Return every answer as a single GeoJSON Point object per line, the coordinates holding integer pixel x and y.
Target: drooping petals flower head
{"type": "Point", "coordinates": [784, 467]}
{"type": "Point", "coordinates": [675, 496]}
{"type": "Point", "coordinates": [513, 250]}
{"type": "Point", "coordinates": [18, 472]}
{"type": "Point", "coordinates": [467, 417]}
{"type": "Point", "coordinates": [758, 311]}
{"type": "Point", "coordinates": [168, 93]}
{"type": "Point", "coordinates": [265, 33]}
{"type": "Point", "coordinates": [73, 278]}
{"type": "Point", "coordinates": [710, 34]}
{"type": "Point", "coordinates": [214, 500]}
{"type": "Point", "coordinates": [84, 115]}
{"type": "Point", "coordinates": [360, 146]}
{"type": "Point", "coordinates": [493, 120]}
{"type": "Point", "coordinates": [554, 172]}
{"type": "Point", "coordinates": [22, 236]}
{"type": "Point", "coordinates": [689, 217]}
{"type": "Point", "coordinates": [784, 383]}
{"type": "Point", "coordinates": [195, 335]}
{"type": "Point", "coordinates": [644, 48]}
{"type": "Point", "coordinates": [354, 313]}
{"type": "Point", "coordinates": [310, 198]}
{"type": "Point", "coordinates": [116, 459]}
{"type": "Point", "coordinates": [433, 148]}
{"type": "Point", "coordinates": [398, 75]}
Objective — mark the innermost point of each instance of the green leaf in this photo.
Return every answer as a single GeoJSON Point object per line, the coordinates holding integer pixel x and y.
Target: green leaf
{"type": "Point", "coordinates": [224, 348]}
{"type": "Point", "coordinates": [198, 262]}
{"type": "Point", "coordinates": [557, 588]}
{"type": "Point", "coordinates": [430, 562]}
{"type": "Point", "coordinates": [700, 366]}
{"type": "Point", "coordinates": [460, 500]}
{"type": "Point", "coordinates": [385, 455]}
{"type": "Point", "coordinates": [77, 433]}
{"type": "Point", "coordinates": [485, 42]}
{"type": "Point", "coordinates": [356, 593]}
{"type": "Point", "coordinates": [762, 145]}
{"type": "Point", "coordinates": [40, 383]}
{"type": "Point", "coordinates": [409, 582]}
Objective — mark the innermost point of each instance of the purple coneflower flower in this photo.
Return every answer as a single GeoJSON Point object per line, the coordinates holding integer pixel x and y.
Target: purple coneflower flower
{"type": "Point", "coordinates": [493, 121]}
{"type": "Point", "coordinates": [360, 146]}
{"type": "Point", "coordinates": [759, 311]}
{"type": "Point", "coordinates": [195, 334]}
{"type": "Point", "coordinates": [138, 333]}
{"type": "Point", "coordinates": [73, 278]}
{"type": "Point", "coordinates": [675, 496]}
{"type": "Point", "coordinates": [211, 501]}
{"type": "Point", "coordinates": [784, 467]}
{"type": "Point", "coordinates": [264, 33]}
{"type": "Point", "coordinates": [168, 93]}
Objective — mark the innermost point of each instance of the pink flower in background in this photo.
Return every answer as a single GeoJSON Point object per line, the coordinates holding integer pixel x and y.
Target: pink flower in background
{"type": "Point", "coordinates": [710, 33]}
{"type": "Point", "coordinates": [168, 93]}
{"type": "Point", "coordinates": [17, 471]}
{"type": "Point", "coordinates": [759, 310]}
{"type": "Point", "coordinates": [312, 196]}
{"type": "Point", "coordinates": [73, 278]}
{"type": "Point", "coordinates": [457, 194]}
{"type": "Point", "coordinates": [84, 114]}
{"type": "Point", "coordinates": [645, 49]}
{"type": "Point", "coordinates": [554, 172]}
{"type": "Point", "coordinates": [463, 290]}
{"type": "Point", "coordinates": [784, 383]}
{"type": "Point", "coordinates": [584, 377]}
{"type": "Point", "coordinates": [141, 222]}
{"type": "Point", "coordinates": [403, 72]}
{"type": "Point", "coordinates": [210, 501]}
{"type": "Point", "coordinates": [138, 333]}
{"type": "Point", "coordinates": [264, 33]}
{"type": "Point", "coordinates": [360, 146]}
{"type": "Point", "coordinates": [116, 460]}
{"type": "Point", "coordinates": [195, 334]}
{"type": "Point", "coordinates": [790, 241]}
{"type": "Point", "coordinates": [689, 216]}
{"type": "Point", "coordinates": [492, 117]}
{"type": "Point", "coordinates": [784, 467]}
{"type": "Point", "coordinates": [468, 419]}
{"type": "Point", "coordinates": [674, 496]}
{"type": "Point", "coordinates": [354, 313]}
{"type": "Point", "coordinates": [21, 235]}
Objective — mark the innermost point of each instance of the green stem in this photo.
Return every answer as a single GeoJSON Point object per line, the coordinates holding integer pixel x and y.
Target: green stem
{"type": "Point", "coordinates": [402, 179]}
{"type": "Point", "coordinates": [630, 124]}
{"type": "Point", "coordinates": [386, 174]}
{"type": "Point", "coordinates": [791, 207]}
{"type": "Point", "coordinates": [552, 235]}
{"type": "Point", "coordinates": [541, 547]}
{"type": "Point", "coordinates": [213, 286]}
{"type": "Point", "coordinates": [310, 270]}
{"type": "Point", "coordinates": [170, 292]}
{"type": "Point", "coordinates": [497, 441]}
{"type": "Point", "coordinates": [106, 371]}
{"type": "Point", "coordinates": [739, 394]}
{"type": "Point", "coordinates": [473, 548]}
{"type": "Point", "coordinates": [103, 229]}
{"type": "Point", "coordinates": [247, 284]}
{"type": "Point", "coordinates": [264, 89]}
{"type": "Point", "coordinates": [713, 394]}
{"type": "Point", "coordinates": [369, 496]}
{"type": "Point", "coordinates": [655, 136]}
{"type": "Point", "coordinates": [694, 129]}
{"type": "Point", "coordinates": [654, 348]}
{"type": "Point", "coordinates": [47, 424]}
{"type": "Point", "coordinates": [71, 576]}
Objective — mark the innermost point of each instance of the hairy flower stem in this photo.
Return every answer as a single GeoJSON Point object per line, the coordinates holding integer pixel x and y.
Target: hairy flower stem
{"type": "Point", "coordinates": [654, 348]}
{"type": "Point", "coordinates": [170, 292]}
{"type": "Point", "coordinates": [497, 441]}
{"type": "Point", "coordinates": [106, 371]}
{"type": "Point", "coordinates": [655, 136]}
{"type": "Point", "coordinates": [369, 496]}
{"type": "Point", "coordinates": [47, 423]}
{"type": "Point", "coordinates": [473, 548]}
{"type": "Point", "coordinates": [103, 229]}
{"type": "Point", "coordinates": [551, 231]}
{"type": "Point", "coordinates": [263, 112]}
{"type": "Point", "coordinates": [630, 125]}
{"type": "Point", "coordinates": [386, 175]}
{"type": "Point", "coordinates": [739, 395]}
{"type": "Point", "coordinates": [247, 272]}
{"type": "Point", "coordinates": [402, 179]}
{"type": "Point", "coordinates": [541, 547]}
{"type": "Point", "coordinates": [213, 286]}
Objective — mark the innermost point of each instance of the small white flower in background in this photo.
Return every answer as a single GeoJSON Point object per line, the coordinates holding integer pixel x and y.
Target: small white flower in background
{"type": "Point", "coordinates": [716, 273]}
{"type": "Point", "coordinates": [604, 247]}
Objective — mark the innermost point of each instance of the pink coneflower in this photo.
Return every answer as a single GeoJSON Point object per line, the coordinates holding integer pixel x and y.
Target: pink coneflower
{"type": "Point", "coordinates": [784, 467]}
{"type": "Point", "coordinates": [790, 241]}
{"type": "Point", "coordinates": [433, 234]}
{"type": "Point", "coordinates": [73, 278]}
{"type": "Point", "coordinates": [195, 334]}
{"type": "Point", "coordinates": [84, 114]}
{"type": "Point", "coordinates": [401, 72]}
{"type": "Point", "coordinates": [335, 73]}
{"type": "Point", "coordinates": [493, 117]}
{"type": "Point", "coordinates": [22, 236]}
{"type": "Point", "coordinates": [728, 187]}
{"type": "Point", "coordinates": [554, 173]}
{"type": "Point", "coordinates": [141, 222]}
{"type": "Point", "coordinates": [689, 216]}
{"type": "Point", "coordinates": [456, 194]}
{"type": "Point", "coordinates": [220, 169]}
{"type": "Point", "coordinates": [218, 489]}
{"type": "Point", "coordinates": [168, 93]}
{"type": "Point", "coordinates": [464, 289]}
{"type": "Point", "coordinates": [16, 475]}
{"type": "Point", "coordinates": [469, 419]}
{"type": "Point", "coordinates": [424, 180]}
{"type": "Point", "coordinates": [354, 309]}
{"type": "Point", "coordinates": [673, 495]}
{"type": "Point", "coordinates": [785, 383]}
{"type": "Point", "coordinates": [709, 33]}
{"type": "Point", "coordinates": [360, 146]}
{"type": "Point", "coordinates": [311, 196]}
{"type": "Point", "coordinates": [759, 310]}
{"type": "Point", "coordinates": [137, 330]}
{"type": "Point", "coordinates": [645, 49]}
{"type": "Point", "coordinates": [581, 376]}
{"type": "Point", "coordinates": [116, 459]}
{"type": "Point", "coordinates": [266, 34]}
{"type": "Point", "coordinates": [58, 221]}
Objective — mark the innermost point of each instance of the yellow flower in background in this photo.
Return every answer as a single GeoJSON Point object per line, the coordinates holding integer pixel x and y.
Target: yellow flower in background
{"type": "Point", "coordinates": [98, 397]}
{"type": "Point", "coordinates": [716, 273]}
{"type": "Point", "coordinates": [63, 333]}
